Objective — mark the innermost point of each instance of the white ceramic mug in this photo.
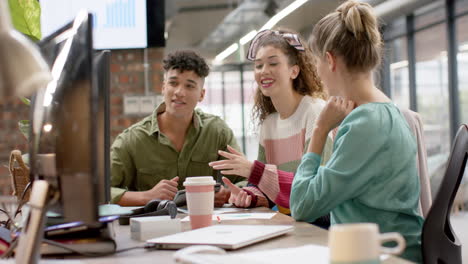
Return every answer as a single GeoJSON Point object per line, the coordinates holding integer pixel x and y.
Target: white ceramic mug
{"type": "Point", "coordinates": [361, 243]}
{"type": "Point", "coordinates": [200, 200]}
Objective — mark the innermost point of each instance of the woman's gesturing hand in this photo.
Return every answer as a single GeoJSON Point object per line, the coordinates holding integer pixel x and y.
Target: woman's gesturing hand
{"type": "Point", "coordinates": [234, 164]}
{"type": "Point", "coordinates": [238, 197]}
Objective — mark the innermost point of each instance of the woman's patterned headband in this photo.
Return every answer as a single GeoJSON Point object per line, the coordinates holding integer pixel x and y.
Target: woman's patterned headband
{"type": "Point", "coordinates": [292, 39]}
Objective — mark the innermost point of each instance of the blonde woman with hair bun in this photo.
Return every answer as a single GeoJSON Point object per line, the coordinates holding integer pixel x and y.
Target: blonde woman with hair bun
{"type": "Point", "coordinates": [371, 175]}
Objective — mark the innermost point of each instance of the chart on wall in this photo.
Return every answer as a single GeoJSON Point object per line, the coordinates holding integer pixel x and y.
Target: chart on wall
{"type": "Point", "coordinates": [118, 24]}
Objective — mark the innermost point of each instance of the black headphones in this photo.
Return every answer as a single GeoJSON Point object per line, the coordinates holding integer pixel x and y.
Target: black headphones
{"type": "Point", "coordinates": [154, 207]}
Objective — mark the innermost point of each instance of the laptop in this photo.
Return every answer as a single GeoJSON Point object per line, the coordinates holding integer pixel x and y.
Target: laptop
{"type": "Point", "coordinates": [224, 236]}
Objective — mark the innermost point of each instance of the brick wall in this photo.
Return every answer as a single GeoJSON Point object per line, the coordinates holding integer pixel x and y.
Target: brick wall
{"type": "Point", "coordinates": [127, 78]}
{"type": "Point", "coordinates": [11, 111]}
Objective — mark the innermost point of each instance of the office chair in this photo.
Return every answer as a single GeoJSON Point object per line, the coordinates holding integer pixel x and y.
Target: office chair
{"type": "Point", "coordinates": [440, 245]}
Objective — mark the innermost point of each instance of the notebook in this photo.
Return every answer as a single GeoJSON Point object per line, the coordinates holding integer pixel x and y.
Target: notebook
{"type": "Point", "coordinates": [223, 236]}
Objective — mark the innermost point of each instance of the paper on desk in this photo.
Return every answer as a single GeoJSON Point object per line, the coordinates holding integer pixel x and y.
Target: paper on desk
{"type": "Point", "coordinates": [217, 211]}
{"type": "Point", "coordinates": [313, 253]}
{"type": "Point", "coordinates": [47, 261]}
{"type": "Point", "coordinates": [228, 210]}
{"type": "Point", "coordinates": [226, 217]}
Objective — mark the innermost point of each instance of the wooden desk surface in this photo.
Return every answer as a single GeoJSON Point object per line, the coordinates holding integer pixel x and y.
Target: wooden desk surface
{"type": "Point", "coordinates": [304, 233]}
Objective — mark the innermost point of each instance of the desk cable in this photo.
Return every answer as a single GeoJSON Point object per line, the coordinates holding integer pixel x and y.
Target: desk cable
{"type": "Point", "coordinates": [86, 254]}
{"type": "Point", "coordinates": [9, 252]}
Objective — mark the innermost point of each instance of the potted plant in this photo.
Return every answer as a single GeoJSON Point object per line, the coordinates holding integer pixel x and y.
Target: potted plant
{"type": "Point", "coordinates": [26, 18]}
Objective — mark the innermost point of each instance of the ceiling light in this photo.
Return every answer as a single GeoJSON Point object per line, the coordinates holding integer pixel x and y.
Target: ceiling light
{"type": "Point", "coordinates": [248, 37]}
{"type": "Point", "coordinates": [224, 54]}
{"type": "Point", "coordinates": [283, 13]}
{"type": "Point", "coordinates": [398, 65]}
{"type": "Point", "coordinates": [269, 24]}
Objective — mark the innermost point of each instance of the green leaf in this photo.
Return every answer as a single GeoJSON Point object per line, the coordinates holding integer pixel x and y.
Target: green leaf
{"type": "Point", "coordinates": [24, 126]}
{"type": "Point", "coordinates": [26, 17]}
{"type": "Point", "coordinates": [25, 100]}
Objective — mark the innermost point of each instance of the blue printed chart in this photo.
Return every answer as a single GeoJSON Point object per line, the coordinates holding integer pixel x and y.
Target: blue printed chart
{"type": "Point", "coordinates": [120, 14]}
{"type": "Point", "coordinates": [118, 24]}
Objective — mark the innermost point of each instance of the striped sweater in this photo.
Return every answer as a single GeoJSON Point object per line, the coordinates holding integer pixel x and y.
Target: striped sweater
{"type": "Point", "coordinates": [282, 144]}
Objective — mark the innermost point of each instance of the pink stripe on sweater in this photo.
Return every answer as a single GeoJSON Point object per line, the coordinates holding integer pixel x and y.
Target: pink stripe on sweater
{"type": "Point", "coordinates": [269, 182]}
{"type": "Point", "coordinates": [261, 199]}
{"type": "Point", "coordinates": [280, 151]}
{"type": "Point", "coordinates": [276, 184]}
{"type": "Point", "coordinates": [285, 183]}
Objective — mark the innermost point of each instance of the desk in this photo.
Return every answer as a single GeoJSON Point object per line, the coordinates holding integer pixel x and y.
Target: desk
{"type": "Point", "coordinates": [304, 233]}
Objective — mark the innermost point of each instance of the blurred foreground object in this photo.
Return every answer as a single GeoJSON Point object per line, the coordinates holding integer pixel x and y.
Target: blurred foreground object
{"type": "Point", "coordinates": [23, 70]}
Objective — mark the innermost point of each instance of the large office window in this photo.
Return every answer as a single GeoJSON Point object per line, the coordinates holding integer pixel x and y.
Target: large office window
{"type": "Point", "coordinates": [251, 127]}
{"type": "Point", "coordinates": [430, 14]}
{"type": "Point", "coordinates": [213, 101]}
{"type": "Point", "coordinates": [428, 33]}
{"type": "Point", "coordinates": [462, 60]}
{"type": "Point", "coordinates": [461, 6]}
{"type": "Point", "coordinates": [399, 79]}
{"type": "Point", "coordinates": [233, 103]}
{"type": "Point", "coordinates": [230, 93]}
{"type": "Point", "coordinates": [432, 94]}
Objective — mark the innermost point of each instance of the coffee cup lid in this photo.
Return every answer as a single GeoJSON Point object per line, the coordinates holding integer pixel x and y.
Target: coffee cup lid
{"type": "Point", "coordinates": [199, 180]}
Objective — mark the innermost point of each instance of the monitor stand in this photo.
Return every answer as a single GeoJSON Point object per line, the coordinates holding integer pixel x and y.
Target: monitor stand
{"type": "Point", "coordinates": [31, 236]}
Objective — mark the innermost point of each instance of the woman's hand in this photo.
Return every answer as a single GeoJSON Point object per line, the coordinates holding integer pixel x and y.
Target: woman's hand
{"type": "Point", "coordinates": [238, 197]}
{"type": "Point", "coordinates": [336, 109]}
{"type": "Point", "coordinates": [235, 164]}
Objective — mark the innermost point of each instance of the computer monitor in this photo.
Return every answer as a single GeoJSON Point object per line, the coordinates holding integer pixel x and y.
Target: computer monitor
{"type": "Point", "coordinates": [101, 78]}
{"type": "Point", "coordinates": [69, 145]}
{"type": "Point", "coordinates": [69, 134]}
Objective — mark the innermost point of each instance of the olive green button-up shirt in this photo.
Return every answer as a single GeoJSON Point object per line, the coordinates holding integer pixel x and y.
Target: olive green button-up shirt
{"type": "Point", "coordinates": [142, 155]}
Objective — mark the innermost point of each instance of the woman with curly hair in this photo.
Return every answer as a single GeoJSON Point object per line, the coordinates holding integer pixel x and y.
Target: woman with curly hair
{"type": "Point", "coordinates": [288, 100]}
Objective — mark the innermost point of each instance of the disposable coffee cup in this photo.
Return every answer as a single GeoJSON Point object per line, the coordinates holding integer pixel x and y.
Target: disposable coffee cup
{"type": "Point", "coordinates": [361, 243]}
{"type": "Point", "coordinates": [200, 200]}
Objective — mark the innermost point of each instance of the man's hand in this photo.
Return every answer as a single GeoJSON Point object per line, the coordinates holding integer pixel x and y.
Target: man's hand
{"type": "Point", "coordinates": [235, 164]}
{"type": "Point", "coordinates": [238, 197]}
{"type": "Point", "coordinates": [164, 190]}
{"type": "Point", "coordinates": [221, 197]}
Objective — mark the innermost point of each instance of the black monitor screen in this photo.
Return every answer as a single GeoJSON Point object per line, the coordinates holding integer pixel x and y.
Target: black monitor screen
{"type": "Point", "coordinates": [68, 131]}
{"type": "Point", "coordinates": [101, 78]}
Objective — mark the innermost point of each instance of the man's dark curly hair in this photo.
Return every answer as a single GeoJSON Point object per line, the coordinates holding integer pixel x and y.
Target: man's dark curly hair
{"type": "Point", "coordinates": [186, 60]}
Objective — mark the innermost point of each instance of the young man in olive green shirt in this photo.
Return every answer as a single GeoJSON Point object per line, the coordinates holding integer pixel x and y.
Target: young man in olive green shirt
{"type": "Point", "coordinates": [152, 158]}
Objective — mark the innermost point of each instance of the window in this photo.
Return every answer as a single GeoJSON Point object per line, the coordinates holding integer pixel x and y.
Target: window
{"type": "Point", "coordinates": [462, 60]}
{"type": "Point", "coordinates": [396, 28]}
{"type": "Point", "coordinates": [461, 6]}
{"type": "Point", "coordinates": [233, 103]}
{"type": "Point", "coordinates": [223, 98]}
{"type": "Point", "coordinates": [432, 94]}
{"type": "Point", "coordinates": [399, 79]}
{"type": "Point", "coordinates": [213, 101]}
{"type": "Point", "coordinates": [251, 127]}
{"type": "Point", "coordinates": [429, 14]}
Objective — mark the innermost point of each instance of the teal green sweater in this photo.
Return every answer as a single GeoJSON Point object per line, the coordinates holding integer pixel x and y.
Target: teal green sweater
{"type": "Point", "coordinates": [370, 177]}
